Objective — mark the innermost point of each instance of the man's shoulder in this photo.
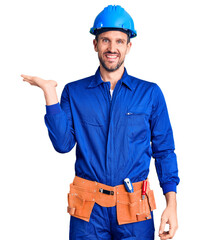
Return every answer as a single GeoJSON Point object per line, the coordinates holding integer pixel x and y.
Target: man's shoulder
{"type": "Point", "coordinates": [83, 82]}
{"type": "Point", "coordinates": [139, 82]}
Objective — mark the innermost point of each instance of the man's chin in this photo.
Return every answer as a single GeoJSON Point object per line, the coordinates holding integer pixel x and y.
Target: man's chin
{"type": "Point", "coordinates": [111, 68]}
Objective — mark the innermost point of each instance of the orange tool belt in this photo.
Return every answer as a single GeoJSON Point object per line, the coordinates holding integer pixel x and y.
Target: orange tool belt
{"type": "Point", "coordinates": [130, 206]}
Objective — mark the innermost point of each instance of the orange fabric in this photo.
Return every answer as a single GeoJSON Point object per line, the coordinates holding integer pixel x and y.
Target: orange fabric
{"type": "Point", "coordinates": [130, 206]}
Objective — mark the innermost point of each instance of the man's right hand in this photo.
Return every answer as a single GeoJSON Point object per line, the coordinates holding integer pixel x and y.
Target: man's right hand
{"type": "Point", "coordinates": [48, 87]}
{"type": "Point", "coordinates": [39, 82]}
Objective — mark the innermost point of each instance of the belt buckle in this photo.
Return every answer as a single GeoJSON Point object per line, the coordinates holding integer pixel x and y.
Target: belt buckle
{"type": "Point", "coordinates": [106, 191]}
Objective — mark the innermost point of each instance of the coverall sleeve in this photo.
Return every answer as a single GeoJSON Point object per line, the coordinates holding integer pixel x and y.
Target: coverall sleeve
{"type": "Point", "coordinates": [162, 143]}
{"type": "Point", "coordinates": [58, 119]}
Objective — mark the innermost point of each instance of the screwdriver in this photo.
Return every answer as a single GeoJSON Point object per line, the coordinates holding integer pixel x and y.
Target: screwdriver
{"type": "Point", "coordinates": [144, 189]}
{"type": "Point", "coordinates": [128, 185]}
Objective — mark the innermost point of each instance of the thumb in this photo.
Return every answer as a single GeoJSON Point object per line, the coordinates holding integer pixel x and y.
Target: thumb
{"type": "Point", "coordinates": [162, 225]}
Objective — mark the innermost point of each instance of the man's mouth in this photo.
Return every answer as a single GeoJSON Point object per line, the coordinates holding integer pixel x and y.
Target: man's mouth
{"type": "Point", "coordinates": [111, 56]}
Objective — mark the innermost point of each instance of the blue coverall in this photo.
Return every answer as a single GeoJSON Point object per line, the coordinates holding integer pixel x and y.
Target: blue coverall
{"type": "Point", "coordinates": [116, 138]}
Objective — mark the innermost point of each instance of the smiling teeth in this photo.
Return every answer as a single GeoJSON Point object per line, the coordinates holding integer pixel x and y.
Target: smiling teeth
{"type": "Point", "coordinates": [111, 56]}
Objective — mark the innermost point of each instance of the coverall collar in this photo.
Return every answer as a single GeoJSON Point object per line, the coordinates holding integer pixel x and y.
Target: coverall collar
{"type": "Point", "coordinates": [98, 80]}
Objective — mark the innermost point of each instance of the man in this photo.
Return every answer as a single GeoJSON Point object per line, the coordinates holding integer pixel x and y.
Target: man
{"type": "Point", "coordinates": [113, 132]}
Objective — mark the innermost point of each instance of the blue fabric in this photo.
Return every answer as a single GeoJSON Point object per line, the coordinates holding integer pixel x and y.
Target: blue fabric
{"type": "Point", "coordinates": [103, 225]}
{"type": "Point", "coordinates": [115, 136]}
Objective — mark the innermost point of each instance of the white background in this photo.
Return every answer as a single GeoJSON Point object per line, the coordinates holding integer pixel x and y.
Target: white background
{"type": "Point", "coordinates": [51, 39]}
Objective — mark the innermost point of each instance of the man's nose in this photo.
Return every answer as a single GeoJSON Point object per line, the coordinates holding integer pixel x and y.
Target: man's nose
{"type": "Point", "coordinates": [112, 47]}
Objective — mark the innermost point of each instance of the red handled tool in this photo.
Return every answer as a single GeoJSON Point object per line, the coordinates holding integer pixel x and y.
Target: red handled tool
{"type": "Point", "coordinates": [144, 189]}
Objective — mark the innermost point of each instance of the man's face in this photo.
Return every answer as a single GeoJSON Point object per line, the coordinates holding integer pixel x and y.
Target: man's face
{"type": "Point", "coordinates": [112, 48]}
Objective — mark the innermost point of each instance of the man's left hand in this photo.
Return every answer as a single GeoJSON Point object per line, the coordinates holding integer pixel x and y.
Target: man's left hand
{"type": "Point", "coordinates": [169, 216]}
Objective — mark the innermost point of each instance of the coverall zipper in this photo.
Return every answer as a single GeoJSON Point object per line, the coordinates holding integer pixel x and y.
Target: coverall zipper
{"type": "Point", "coordinates": [110, 159]}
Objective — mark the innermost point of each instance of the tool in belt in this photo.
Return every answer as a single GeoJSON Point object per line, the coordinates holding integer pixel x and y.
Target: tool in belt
{"type": "Point", "coordinates": [130, 206]}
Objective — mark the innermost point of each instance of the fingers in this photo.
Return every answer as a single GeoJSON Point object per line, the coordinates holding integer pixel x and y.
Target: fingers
{"type": "Point", "coordinates": [162, 226]}
{"type": "Point", "coordinates": [169, 234]}
{"type": "Point", "coordinates": [23, 75]}
{"type": "Point", "coordinates": [27, 79]}
{"type": "Point", "coordinates": [172, 231]}
{"type": "Point", "coordinates": [27, 76]}
{"type": "Point", "coordinates": [166, 235]}
{"type": "Point", "coordinates": [30, 79]}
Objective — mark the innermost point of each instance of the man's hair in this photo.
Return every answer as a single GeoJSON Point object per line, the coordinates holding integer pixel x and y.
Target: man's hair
{"type": "Point", "coordinates": [128, 38]}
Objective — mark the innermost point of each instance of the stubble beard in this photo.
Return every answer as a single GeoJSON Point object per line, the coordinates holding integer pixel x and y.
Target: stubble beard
{"type": "Point", "coordinates": [110, 69]}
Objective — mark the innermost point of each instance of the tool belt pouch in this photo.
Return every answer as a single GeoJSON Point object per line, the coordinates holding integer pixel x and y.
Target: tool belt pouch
{"type": "Point", "coordinates": [131, 207]}
{"type": "Point", "coordinates": [80, 202]}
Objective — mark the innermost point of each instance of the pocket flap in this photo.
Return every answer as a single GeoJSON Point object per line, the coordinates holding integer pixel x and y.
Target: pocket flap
{"type": "Point", "coordinates": [143, 216]}
{"type": "Point", "coordinates": [78, 205]}
{"type": "Point", "coordinates": [151, 200]}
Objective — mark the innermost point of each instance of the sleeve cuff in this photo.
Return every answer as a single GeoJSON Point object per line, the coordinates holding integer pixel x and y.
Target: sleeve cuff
{"type": "Point", "coordinates": [169, 187]}
{"type": "Point", "coordinates": [53, 109]}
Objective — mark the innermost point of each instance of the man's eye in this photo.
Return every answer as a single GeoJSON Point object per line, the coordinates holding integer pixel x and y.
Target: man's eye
{"type": "Point", "coordinates": [120, 41]}
{"type": "Point", "coordinates": [105, 40]}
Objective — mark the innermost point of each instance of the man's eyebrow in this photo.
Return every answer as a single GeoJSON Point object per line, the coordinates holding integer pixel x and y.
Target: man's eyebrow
{"type": "Point", "coordinates": [116, 39]}
{"type": "Point", "coordinates": [121, 39]}
{"type": "Point", "coordinates": [104, 38]}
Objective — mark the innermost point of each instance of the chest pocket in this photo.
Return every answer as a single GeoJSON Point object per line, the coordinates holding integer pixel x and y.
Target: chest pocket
{"type": "Point", "coordinates": [136, 124]}
{"type": "Point", "coordinates": [92, 120]}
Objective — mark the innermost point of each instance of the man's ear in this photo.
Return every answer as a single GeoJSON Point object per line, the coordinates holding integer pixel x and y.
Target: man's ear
{"type": "Point", "coordinates": [95, 45]}
{"type": "Point", "coordinates": [128, 47]}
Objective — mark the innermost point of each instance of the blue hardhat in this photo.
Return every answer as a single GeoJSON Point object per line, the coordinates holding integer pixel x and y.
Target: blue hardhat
{"type": "Point", "coordinates": [114, 18]}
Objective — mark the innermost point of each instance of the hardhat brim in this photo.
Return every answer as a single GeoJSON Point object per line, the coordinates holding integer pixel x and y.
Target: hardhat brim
{"type": "Point", "coordinates": [97, 31]}
{"type": "Point", "coordinates": [102, 30]}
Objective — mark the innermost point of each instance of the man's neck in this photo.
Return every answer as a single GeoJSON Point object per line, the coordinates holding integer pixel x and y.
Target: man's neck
{"type": "Point", "coordinates": [111, 77]}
